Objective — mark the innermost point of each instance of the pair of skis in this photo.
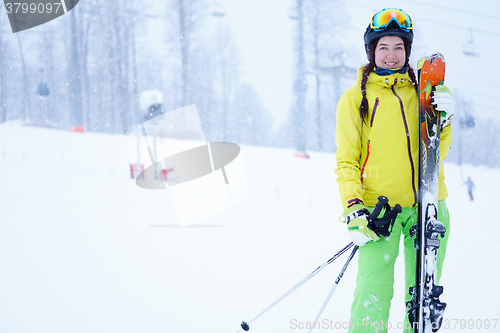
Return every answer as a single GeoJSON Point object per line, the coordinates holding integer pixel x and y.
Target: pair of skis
{"type": "Point", "coordinates": [425, 310]}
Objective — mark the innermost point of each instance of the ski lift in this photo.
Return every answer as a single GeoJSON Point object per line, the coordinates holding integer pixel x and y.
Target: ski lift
{"type": "Point", "coordinates": [469, 47]}
{"type": "Point", "coordinates": [468, 120]}
{"type": "Point", "coordinates": [217, 9]}
{"type": "Point", "coordinates": [43, 87]}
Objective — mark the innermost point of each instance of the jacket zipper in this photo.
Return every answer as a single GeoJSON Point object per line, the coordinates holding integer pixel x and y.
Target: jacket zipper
{"type": "Point", "coordinates": [373, 112]}
{"type": "Point", "coordinates": [408, 145]}
{"type": "Point", "coordinates": [366, 160]}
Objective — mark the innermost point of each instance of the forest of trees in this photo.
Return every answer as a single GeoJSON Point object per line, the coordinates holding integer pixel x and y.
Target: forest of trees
{"type": "Point", "coordinates": [329, 69]}
{"type": "Point", "coordinates": [98, 57]}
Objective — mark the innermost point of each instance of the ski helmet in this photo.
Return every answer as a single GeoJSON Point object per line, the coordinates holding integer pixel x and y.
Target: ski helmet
{"type": "Point", "coordinates": [389, 22]}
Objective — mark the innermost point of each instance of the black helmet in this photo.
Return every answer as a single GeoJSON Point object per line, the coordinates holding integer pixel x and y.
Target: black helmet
{"type": "Point", "coordinates": [393, 28]}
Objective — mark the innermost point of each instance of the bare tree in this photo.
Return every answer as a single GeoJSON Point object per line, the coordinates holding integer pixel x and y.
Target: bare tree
{"type": "Point", "coordinates": [315, 19]}
{"type": "Point", "coordinates": [26, 100]}
{"type": "Point", "coordinates": [322, 23]}
{"type": "Point", "coordinates": [95, 76]}
{"type": "Point", "coordinates": [86, 14]}
{"type": "Point", "coordinates": [187, 17]}
{"type": "Point", "coordinates": [74, 71]}
{"type": "Point", "coordinates": [228, 61]}
{"type": "Point", "coordinates": [253, 125]}
{"type": "Point", "coordinates": [116, 81]}
{"type": "Point", "coordinates": [205, 87]}
{"type": "Point", "coordinates": [3, 71]}
{"type": "Point", "coordinates": [48, 56]}
{"type": "Point", "coordinates": [123, 29]}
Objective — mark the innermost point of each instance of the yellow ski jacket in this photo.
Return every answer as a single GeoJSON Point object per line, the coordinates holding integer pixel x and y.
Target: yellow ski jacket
{"type": "Point", "coordinates": [380, 155]}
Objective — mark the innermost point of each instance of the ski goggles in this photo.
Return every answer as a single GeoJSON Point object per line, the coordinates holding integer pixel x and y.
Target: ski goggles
{"type": "Point", "coordinates": [381, 20]}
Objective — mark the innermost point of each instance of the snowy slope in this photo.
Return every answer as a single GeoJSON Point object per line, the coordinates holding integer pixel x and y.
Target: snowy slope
{"type": "Point", "coordinates": [83, 249]}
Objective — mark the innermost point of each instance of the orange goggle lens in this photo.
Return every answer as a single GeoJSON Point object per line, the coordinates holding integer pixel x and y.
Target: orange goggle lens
{"type": "Point", "coordinates": [382, 19]}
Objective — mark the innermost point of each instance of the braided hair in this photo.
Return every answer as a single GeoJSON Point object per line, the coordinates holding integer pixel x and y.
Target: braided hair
{"type": "Point", "coordinates": [363, 109]}
{"type": "Point", "coordinates": [413, 78]}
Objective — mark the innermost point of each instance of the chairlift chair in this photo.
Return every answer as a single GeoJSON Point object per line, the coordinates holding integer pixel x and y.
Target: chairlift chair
{"type": "Point", "coordinates": [217, 9]}
{"type": "Point", "coordinates": [469, 47]}
{"type": "Point", "coordinates": [468, 120]}
{"type": "Point", "coordinates": [43, 87]}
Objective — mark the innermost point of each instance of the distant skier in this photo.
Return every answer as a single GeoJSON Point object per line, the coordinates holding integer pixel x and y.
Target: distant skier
{"type": "Point", "coordinates": [377, 155]}
{"type": "Point", "coordinates": [470, 187]}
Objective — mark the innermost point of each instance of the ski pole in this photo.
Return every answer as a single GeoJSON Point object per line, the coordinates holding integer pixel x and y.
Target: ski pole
{"type": "Point", "coordinates": [246, 325]}
{"type": "Point", "coordinates": [382, 201]}
{"type": "Point", "coordinates": [341, 274]}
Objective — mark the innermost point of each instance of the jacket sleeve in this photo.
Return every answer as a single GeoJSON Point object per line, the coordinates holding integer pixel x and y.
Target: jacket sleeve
{"type": "Point", "coordinates": [445, 143]}
{"type": "Point", "coordinates": [348, 141]}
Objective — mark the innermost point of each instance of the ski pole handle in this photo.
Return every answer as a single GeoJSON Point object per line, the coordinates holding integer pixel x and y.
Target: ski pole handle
{"type": "Point", "coordinates": [382, 225]}
{"type": "Point", "coordinates": [382, 201]}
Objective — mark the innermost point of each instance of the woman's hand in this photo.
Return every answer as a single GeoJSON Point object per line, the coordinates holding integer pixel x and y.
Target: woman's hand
{"type": "Point", "coordinates": [357, 225]}
{"type": "Point", "coordinates": [443, 101]}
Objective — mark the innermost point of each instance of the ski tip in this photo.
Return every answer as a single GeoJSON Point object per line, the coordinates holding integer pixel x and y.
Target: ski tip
{"type": "Point", "coordinates": [435, 58]}
{"type": "Point", "coordinates": [431, 72]}
{"type": "Point", "coordinates": [430, 59]}
{"type": "Point", "coordinates": [421, 62]}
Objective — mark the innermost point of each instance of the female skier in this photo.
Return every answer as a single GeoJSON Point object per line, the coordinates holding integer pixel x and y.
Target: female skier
{"type": "Point", "coordinates": [377, 154]}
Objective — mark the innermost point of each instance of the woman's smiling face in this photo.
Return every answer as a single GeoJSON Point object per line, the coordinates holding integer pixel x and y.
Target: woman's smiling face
{"type": "Point", "coordinates": [390, 52]}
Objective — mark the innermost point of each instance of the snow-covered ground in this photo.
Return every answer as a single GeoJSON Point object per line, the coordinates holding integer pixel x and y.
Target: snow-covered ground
{"type": "Point", "coordinates": [83, 249]}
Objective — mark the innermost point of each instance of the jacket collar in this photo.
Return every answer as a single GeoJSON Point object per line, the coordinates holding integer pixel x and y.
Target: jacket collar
{"type": "Point", "coordinates": [385, 81]}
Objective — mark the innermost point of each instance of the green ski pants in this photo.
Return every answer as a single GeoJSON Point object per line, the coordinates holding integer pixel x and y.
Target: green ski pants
{"type": "Point", "coordinates": [375, 280]}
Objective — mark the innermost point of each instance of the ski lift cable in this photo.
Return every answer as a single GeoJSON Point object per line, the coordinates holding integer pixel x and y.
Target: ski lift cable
{"type": "Point", "coordinates": [489, 107]}
{"type": "Point", "coordinates": [472, 93]}
{"type": "Point", "coordinates": [484, 105]}
{"type": "Point", "coordinates": [364, 5]}
{"type": "Point", "coordinates": [459, 27]}
{"type": "Point", "coordinates": [474, 81]}
{"type": "Point", "coordinates": [434, 5]}
{"type": "Point", "coordinates": [417, 18]}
